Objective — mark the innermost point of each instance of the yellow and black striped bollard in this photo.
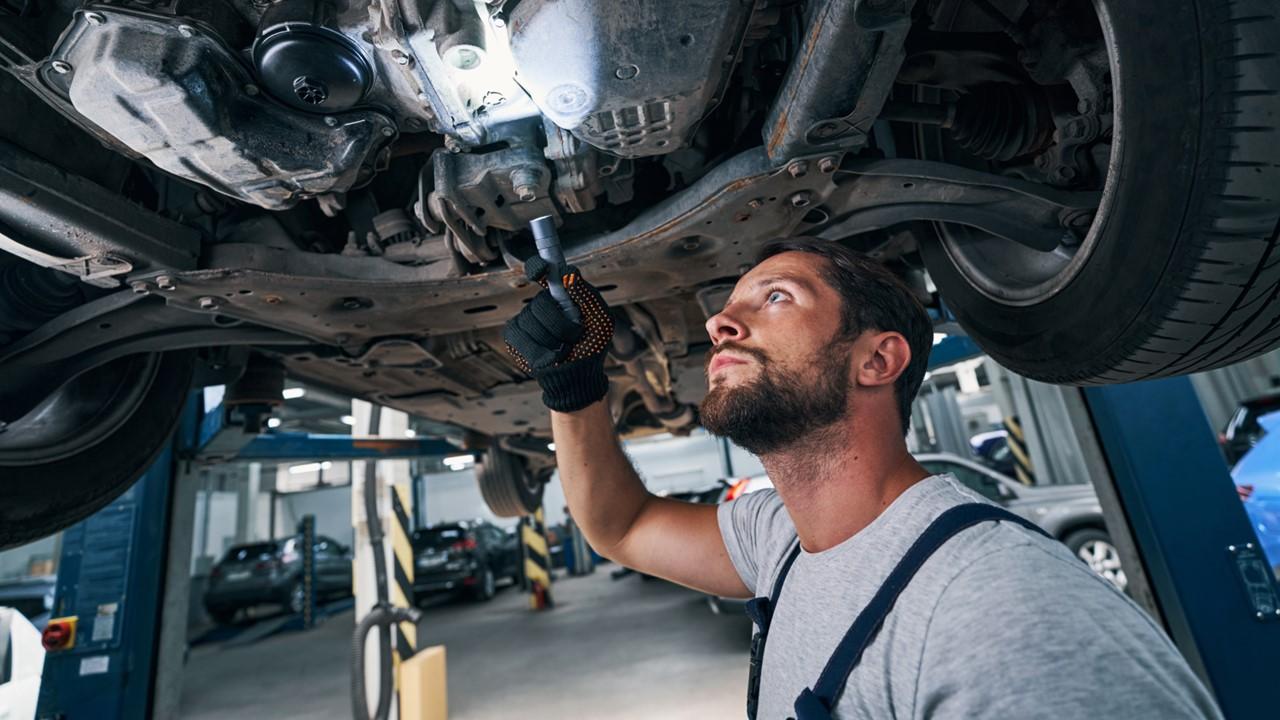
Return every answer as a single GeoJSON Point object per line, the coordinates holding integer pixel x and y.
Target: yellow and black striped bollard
{"type": "Point", "coordinates": [537, 560]}
{"type": "Point", "coordinates": [1017, 440]}
{"type": "Point", "coordinates": [401, 591]}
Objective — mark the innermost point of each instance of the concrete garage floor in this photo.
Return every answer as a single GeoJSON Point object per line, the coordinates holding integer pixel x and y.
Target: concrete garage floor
{"type": "Point", "coordinates": [622, 650]}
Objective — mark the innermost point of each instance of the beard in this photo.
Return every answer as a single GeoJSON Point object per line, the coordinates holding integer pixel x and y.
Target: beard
{"type": "Point", "coordinates": [779, 407]}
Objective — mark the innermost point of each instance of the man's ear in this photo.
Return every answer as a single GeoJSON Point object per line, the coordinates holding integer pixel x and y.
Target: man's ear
{"type": "Point", "coordinates": [883, 357]}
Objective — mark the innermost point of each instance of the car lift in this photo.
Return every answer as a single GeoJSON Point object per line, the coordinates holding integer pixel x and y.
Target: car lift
{"type": "Point", "coordinates": [1190, 553]}
{"type": "Point", "coordinates": [122, 596]}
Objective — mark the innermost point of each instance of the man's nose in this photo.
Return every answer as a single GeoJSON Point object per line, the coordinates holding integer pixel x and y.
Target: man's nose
{"type": "Point", "coordinates": [724, 326]}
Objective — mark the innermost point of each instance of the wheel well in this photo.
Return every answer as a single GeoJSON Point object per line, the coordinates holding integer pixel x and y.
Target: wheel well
{"type": "Point", "coordinates": [1082, 524]}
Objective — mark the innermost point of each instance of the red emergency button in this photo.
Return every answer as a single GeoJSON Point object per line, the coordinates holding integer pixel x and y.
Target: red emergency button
{"type": "Point", "coordinates": [59, 634]}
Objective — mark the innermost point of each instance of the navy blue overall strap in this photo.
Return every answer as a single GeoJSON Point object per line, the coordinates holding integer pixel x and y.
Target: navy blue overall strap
{"type": "Point", "coordinates": [759, 609]}
{"type": "Point", "coordinates": [816, 703]}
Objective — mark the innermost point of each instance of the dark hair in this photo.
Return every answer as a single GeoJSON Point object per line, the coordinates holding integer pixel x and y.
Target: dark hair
{"type": "Point", "coordinates": [873, 298]}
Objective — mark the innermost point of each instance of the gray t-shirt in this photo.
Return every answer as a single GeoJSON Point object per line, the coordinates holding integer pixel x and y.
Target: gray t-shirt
{"type": "Point", "coordinates": [999, 623]}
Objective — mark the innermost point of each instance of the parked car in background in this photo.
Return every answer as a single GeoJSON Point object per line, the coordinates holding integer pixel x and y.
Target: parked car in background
{"type": "Point", "coordinates": [1245, 428]}
{"type": "Point", "coordinates": [469, 555]}
{"type": "Point", "coordinates": [1070, 513]}
{"type": "Point", "coordinates": [21, 664]}
{"type": "Point", "coordinates": [1257, 479]}
{"type": "Point", "coordinates": [270, 572]}
{"type": "Point", "coordinates": [31, 596]}
{"type": "Point", "coordinates": [992, 449]}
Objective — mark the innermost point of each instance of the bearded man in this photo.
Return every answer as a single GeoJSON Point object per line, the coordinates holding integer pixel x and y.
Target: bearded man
{"type": "Point", "coordinates": [882, 591]}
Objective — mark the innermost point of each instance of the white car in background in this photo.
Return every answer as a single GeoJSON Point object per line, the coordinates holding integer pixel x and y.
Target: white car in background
{"type": "Point", "coordinates": [21, 663]}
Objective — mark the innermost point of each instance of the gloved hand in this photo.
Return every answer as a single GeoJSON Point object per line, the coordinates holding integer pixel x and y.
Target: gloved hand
{"type": "Point", "coordinates": [565, 357]}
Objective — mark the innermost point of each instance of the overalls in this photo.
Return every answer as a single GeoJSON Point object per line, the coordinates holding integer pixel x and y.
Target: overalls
{"type": "Point", "coordinates": [818, 702]}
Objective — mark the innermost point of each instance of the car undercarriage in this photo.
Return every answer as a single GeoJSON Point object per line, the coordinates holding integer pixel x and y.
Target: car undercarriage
{"type": "Point", "coordinates": [341, 191]}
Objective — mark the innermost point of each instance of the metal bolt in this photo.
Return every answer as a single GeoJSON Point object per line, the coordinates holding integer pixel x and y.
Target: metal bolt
{"type": "Point", "coordinates": [691, 243]}
{"type": "Point", "coordinates": [1065, 173]}
{"type": "Point", "coordinates": [251, 89]}
{"type": "Point", "coordinates": [525, 183]}
{"type": "Point", "coordinates": [208, 302]}
{"type": "Point", "coordinates": [827, 165]}
{"type": "Point", "coordinates": [626, 72]}
{"type": "Point", "coordinates": [452, 144]}
{"type": "Point", "coordinates": [755, 203]}
{"type": "Point", "coordinates": [499, 22]}
{"type": "Point", "coordinates": [798, 169]}
{"type": "Point", "coordinates": [400, 57]}
{"type": "Point", "coordinates": [1075, 128]}
{"type": "Point", "coordinates": [94, 18]}
{"type": "Point", "coordinates": [139, 287]}
{"type": "Point", "coordinates": [164, 282]}
{"type": "Point", "coordinates": [60, 66]}
{"type": "Point", "coordinates": [186, 31]}
{"type": "Point", "coordinates": [273, 299]}
{"type": "Point", "coordinates": [388, 131]}
{"type": "Point", "coordinates": [800, 199]}
{"type": "Point", "coordinates": [1084, 107]}
{"type": "Point", "coordinates": [331, 121]}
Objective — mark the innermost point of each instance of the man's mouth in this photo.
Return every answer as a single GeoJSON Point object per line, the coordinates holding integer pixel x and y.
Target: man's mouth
{"type": "Point", "coordinates": [723, 360]}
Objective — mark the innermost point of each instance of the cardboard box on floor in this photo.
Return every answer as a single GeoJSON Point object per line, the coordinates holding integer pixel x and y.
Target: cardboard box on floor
{"type": "Point", "coordinates": [424, 692]}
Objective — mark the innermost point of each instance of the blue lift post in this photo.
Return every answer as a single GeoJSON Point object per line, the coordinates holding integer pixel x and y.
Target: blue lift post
{"type": "Point", "coordinates": [1182, 532]}
{"type": "Point", "coordinates": [110, 577]}
{"type": "Point", "coordinates": [1215, 593]}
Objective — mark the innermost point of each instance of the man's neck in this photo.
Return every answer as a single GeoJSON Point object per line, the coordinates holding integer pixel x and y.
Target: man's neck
{"type": "Point", "coordinates": [839, 481]}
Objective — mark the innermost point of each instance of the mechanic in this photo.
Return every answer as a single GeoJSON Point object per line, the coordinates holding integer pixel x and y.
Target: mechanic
{"type": "Point", "coordinates": [816, 358]}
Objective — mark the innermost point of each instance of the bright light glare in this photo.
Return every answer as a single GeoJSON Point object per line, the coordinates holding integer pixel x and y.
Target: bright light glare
{"type": "Point", "coordinates": [348, 419]}
{"type": "Point", "coordinates": [410, 433]}
{"type": "Point", "coordinates": [939, 337]}
{"type": "Point", "coordinates": [310, 467]}
{"type": "Point", "coordinates": [458, 462]}
{"type": "Point", "coordinates": [294, 393]}
{"type": "Point", "coordinates": [551, 447]}
{"type": "Point", "coordinates": [273, 423]}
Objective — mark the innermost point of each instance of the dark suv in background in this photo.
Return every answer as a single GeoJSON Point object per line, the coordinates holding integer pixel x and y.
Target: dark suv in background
{"type": "Point", "coordinates": [470, 555]}
{"type": "Point", "coordinates": [270, 572]}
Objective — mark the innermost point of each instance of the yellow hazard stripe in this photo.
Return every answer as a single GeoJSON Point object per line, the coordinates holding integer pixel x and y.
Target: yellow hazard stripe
{"type": "Point", "coordinates": [534, 541]}
{"type": "Point", "coordinates": [536, 573]}
{"type": "Point", "coordinates": [1014, 428]}
{"type": "Point", "coordinates": [401, 590]}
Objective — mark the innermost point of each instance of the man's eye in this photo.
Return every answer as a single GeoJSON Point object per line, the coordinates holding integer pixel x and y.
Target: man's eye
{"type": "Point", "coordinates": [776, 296]}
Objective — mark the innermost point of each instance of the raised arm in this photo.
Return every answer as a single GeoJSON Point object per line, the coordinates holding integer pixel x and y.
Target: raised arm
{"type": "Point", "coordinates": [626, 523]}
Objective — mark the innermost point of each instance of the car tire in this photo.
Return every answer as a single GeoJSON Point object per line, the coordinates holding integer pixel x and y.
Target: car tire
{"type": "Point", "coordinates": [1183, 271]}
{"type": "Point", "coordinates": [1095, 548]}
{"type": "Point", "coordinates": [223, 616]}
{"type": "Point", "coordinates": [40, 495]}
{"type": "Point", "coordinates": [509, 489]}
{"type": "Point", "coordinates": [486, 586]}
{"type": "Point", "coordinates": [296, 598]}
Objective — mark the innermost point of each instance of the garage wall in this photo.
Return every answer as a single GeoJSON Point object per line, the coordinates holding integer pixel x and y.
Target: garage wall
{"type": "Point", "coordinates": [331, 506]}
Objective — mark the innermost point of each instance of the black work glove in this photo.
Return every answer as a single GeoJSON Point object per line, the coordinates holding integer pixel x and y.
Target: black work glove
{"type": "Point", "coordinates": [565, 357]}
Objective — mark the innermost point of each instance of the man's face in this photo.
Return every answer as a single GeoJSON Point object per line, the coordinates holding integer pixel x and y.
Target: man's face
{"type": "Point", "coordinates": [777, 373]}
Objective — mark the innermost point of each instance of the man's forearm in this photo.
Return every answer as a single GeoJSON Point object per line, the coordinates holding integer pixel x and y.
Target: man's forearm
{"type": "Point", "coordinates": [604, 492]}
